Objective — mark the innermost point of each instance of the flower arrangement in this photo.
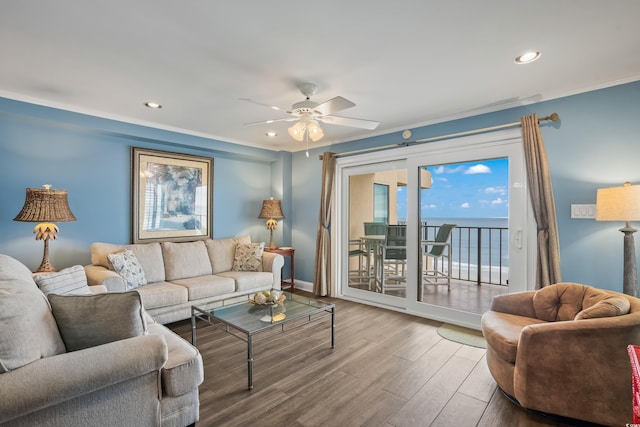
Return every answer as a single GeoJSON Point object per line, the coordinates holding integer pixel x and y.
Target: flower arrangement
{"type": "Point", "coordinates": [267, 297]}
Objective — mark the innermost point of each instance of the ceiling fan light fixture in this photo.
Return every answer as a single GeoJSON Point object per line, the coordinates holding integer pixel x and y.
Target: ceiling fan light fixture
{"type": "Point", "coordinates": [315, 131]}
{"type": "Point", "coordinates": [297, 131]}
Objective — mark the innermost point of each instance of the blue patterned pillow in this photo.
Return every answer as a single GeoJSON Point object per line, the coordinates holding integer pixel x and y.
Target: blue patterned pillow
{"type": "Point", "coordinates": [128, 267]}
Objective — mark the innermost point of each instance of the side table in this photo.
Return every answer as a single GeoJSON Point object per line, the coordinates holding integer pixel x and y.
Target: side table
{"type": "Point", "coordinates": [285, 252]}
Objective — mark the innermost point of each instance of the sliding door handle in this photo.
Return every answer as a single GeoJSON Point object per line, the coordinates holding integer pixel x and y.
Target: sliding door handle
{"type": "Point", "coordinates": [517, 239]}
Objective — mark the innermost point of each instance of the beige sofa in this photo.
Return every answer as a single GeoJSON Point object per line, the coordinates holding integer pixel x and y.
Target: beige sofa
{"type": "Point", "coordinates": [83, 359]}
{"type": "Point", "coordinates": [563, 350]}
{"type": "Point", "coordinates": [180, 275]}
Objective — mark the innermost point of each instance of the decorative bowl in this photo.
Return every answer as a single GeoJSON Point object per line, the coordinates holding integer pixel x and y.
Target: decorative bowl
{"type": "Point", "coordinates": [267, 298]}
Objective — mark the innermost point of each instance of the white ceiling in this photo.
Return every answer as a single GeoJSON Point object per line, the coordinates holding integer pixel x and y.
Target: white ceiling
{"type": "Point", "coordinates": [403, 63]}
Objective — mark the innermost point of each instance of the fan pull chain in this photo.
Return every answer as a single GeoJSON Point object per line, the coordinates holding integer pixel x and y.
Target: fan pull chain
{"type": "Point", "coordinates": [306, 137]}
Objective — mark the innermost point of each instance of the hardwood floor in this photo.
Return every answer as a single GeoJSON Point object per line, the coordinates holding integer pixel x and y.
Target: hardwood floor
{"type": "Point", "coordinates": [387, 369]}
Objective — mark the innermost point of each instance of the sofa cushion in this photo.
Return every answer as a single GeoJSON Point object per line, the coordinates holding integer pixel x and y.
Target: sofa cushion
{"type": "Point", "coordinates": [502, 332]}
{"type": "Point", "coordinates": [99, 252]}
{"type": "Point", "coordinates": [559, 302]}
{"type": "Point", "coordinates": [608, 307]}
{"type": "Point", "coordinates": [248, 280]}
{"type": "Point", "coordinates": [162, 294]}
{"type": "Point", "coordinates": [183, 371]}
{"type": "Point", "coordinates": [222, 252]}
{"type": "Point", "coordinates": [28, 330]}
{"type": "Point", "coordinates": [206, 286]}
{"type": "Point", "coordinates": [248, 257]}
{"type": "Point", "coordinates": [126, 264]}
{"type": "Point", "coordinates": [150, 257]}
{"type": "Point", "coordinates": [89, 320]}
{"type": "Point", "coordinates": [185, 259]}
{"type": "Point", "coordinates": [71, 280]}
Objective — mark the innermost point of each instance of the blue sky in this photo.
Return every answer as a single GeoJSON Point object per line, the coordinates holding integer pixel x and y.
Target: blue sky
{"type": "Point", "coordinates": [464, 190]}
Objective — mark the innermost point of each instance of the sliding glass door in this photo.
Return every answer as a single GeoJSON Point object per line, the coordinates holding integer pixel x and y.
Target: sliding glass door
{"type": "Point", "coordinates": [437, 229]}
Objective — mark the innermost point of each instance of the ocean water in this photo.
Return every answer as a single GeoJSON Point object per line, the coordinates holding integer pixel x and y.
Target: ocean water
{"type": "Point", "coordinates": [493, 241]}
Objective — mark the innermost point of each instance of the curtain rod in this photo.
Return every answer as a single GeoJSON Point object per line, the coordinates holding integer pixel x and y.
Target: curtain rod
{"type": "Point", "coordinates": [552, 117]}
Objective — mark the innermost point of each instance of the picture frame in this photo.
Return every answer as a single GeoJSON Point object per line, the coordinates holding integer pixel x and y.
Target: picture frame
{"type": "Point", "coordinates": [172, 196]}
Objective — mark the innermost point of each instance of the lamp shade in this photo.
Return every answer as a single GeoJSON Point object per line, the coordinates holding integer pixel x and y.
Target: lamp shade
{"type": "Point", "coordinates": [271, 209]}
{"type": "Point", "coordinates": [45, 205]}
{"type": "Point", "coordinates": [618, 203]}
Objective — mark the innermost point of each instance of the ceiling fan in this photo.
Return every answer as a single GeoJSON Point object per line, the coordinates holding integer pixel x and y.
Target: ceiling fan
{"type": "Point", "coordinates": [308, 113]}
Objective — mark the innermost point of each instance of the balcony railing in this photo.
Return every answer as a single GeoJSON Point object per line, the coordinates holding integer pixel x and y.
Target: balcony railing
{"type": "Point", "coordinates": [479, 254]}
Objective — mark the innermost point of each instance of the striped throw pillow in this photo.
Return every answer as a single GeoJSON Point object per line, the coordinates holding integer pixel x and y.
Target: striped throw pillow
{"type": "Point", "coordinates": [68, 281]}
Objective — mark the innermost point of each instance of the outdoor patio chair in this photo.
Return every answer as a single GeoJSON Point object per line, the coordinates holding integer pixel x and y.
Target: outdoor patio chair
{"type": "Point", "coordinates": [437, 262]}
{"type": "Point", "coordinates": [395, 258]}
{"type": "Point", "coordinates": [360, 275]}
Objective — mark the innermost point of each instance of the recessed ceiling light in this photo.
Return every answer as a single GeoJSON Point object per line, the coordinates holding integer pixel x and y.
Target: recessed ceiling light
{"type": "Point", "coordinates": [271, 134]}
{"type": "Point", "coordinates": [152, 105]}
{"type": "Point", "coordinates": [527, 57]}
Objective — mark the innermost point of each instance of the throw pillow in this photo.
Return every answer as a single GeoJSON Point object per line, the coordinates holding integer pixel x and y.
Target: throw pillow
{"type": "Point", "coordinates": [609, 307]}
{"type": "Point", "coordinates": [89, 320]}
{"type": "Point", "coordinates": [128, 267]}
{"type": "Point", "coordinates": [28, 331]}
{"type": "Point", "coordinates": [72, 280]}
{"type": "Point", "coordinates": [248, 257]}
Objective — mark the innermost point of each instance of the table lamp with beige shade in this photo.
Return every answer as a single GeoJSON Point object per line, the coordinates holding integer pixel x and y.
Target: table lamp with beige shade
{"type": "Point", "coordinates": [622, 204]}
{"type": "Point", "coordinates": [272, 211]}
{"type": "Point", "coordinates": [45, 206]}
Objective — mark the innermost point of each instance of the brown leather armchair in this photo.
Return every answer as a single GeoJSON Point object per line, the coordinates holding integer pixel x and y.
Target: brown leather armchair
{"type": "Point", "coordinates": [563, 350]}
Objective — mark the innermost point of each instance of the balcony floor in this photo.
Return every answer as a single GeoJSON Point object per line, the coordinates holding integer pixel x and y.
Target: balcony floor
{"type": "Point", "coordinates": [464, 295]}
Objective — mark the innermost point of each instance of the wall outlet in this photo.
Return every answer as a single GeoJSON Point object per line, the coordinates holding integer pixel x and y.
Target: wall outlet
{"type": "Point", "coordinates": [583, 211]}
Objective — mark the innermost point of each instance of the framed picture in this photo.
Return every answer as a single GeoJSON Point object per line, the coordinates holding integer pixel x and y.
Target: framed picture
{"type": "Point", "coordinates": [172, 196]}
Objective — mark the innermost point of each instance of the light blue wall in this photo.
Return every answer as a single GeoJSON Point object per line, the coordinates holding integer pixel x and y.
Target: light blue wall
{"type": "Point", "coordinates": [596, 143]}
{"type": "Point", "coordinates": [90, 158]}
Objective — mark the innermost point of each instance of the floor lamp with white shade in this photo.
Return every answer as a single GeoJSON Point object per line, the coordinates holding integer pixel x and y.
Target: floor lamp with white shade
{"type": "Point", "coordinates": [622, 204]}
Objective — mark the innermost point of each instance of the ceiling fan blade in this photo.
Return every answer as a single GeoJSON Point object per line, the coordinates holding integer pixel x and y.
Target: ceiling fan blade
{"type": "Point", "coordinates": [273, 107]}
{"type": "Point", "coordinates": [288, 119]}
{"type": "Point", "coordinates": [348, 121]}
{"type": "Point", "coordinates": [334, 105]}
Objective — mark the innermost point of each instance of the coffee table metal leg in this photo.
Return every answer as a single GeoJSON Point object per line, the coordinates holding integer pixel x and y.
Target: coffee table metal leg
{"type": "Point", "coordinates": [193, 328]}
{"type": "Point", "coordinates": [250, 361]}
{"type": "Point", "coordinates": [333, 326]}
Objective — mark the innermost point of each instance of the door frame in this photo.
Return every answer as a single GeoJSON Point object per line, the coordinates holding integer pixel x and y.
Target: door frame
{"type": "Point", "coordinates": [509, 140]}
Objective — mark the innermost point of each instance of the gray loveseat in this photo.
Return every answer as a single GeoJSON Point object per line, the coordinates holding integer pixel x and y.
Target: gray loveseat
{"type": "Point", "coordinates": [87, 359]}
{"type": "Point", "coordinates": [182, 274]}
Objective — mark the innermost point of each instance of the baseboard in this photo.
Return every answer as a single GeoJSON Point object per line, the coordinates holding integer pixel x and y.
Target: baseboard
{"type": "Point", "coordinates": [302, 285]}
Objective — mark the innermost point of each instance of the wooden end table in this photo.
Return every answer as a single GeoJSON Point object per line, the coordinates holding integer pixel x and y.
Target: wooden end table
{"type": "Point", "coordinates": [285, 252]}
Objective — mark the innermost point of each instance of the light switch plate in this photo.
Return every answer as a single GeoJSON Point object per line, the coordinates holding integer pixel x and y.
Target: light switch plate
{"type": "Point", "coordinates": [583, 211]}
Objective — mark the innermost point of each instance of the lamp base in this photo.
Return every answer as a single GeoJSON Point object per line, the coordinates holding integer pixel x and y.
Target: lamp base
{"type": "Point", "coordinates": [45, 265]}
{"type": "Point", "coordinates": [272, 244]}
{"type": "Point", "coordinates": [630, 278]}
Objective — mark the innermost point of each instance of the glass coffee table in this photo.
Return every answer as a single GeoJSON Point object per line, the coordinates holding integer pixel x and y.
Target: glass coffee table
{"type": "Point", "coordinates": [246, 320]}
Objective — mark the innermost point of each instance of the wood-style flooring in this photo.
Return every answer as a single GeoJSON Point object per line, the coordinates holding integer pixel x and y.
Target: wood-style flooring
{"type": "Point", "coordinates": [387, 369]}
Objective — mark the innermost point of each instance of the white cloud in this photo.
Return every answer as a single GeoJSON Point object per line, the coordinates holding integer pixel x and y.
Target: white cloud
{"type": "Point", "coordinates": [442, 169]}
{"type": "Point", "coordinates": [441, 179]}
{"type": "Point", "coordinates": [498, 201]}
{"type": "Point", "coordinates": [431, 206]}
{"type": "Point", "coordinates": [455, 170]}
{"type": "Point", "coordinates": [477, 169]}
{"type": "Point", "coordinates": [496, 190]}
{"type": "Point", "coordinates": [465, 205]}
